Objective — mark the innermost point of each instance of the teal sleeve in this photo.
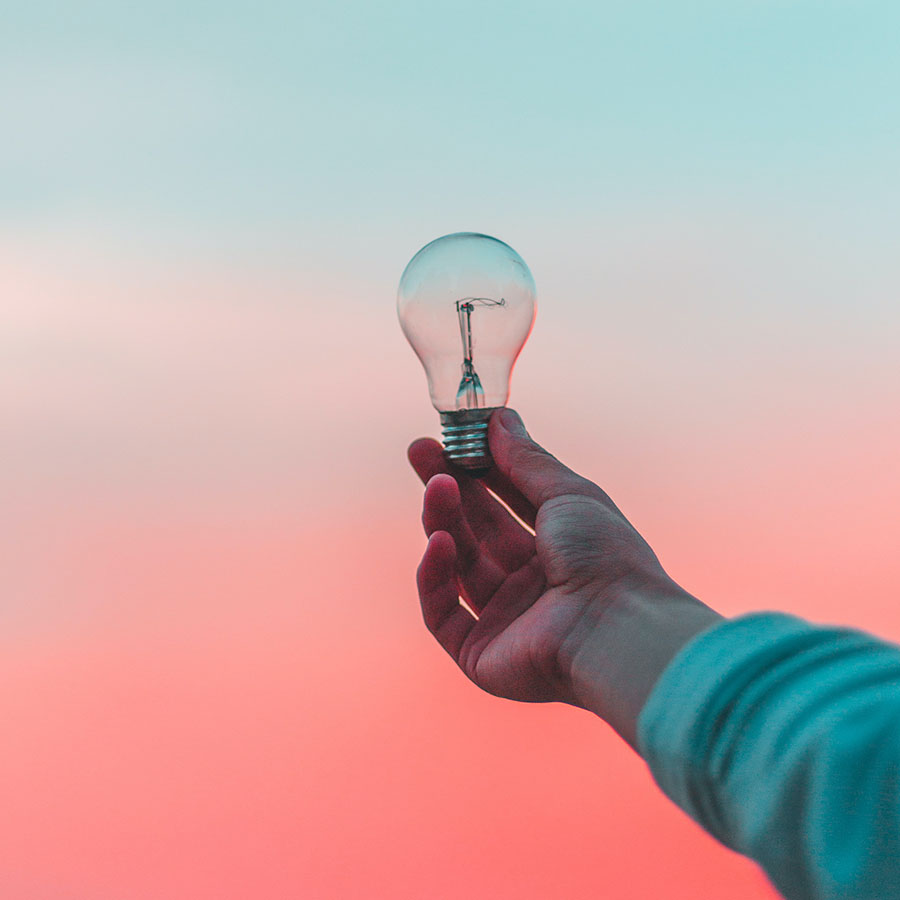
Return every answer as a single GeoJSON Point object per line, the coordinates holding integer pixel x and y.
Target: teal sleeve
{"type": "Point", "coordinates": [782, 739]}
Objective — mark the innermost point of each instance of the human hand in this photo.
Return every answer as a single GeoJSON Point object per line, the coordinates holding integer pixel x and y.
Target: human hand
{"type": "Point", "coordinates": [540, 597]}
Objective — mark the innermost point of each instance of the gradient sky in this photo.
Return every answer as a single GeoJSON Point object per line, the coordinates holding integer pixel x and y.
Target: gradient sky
{"type": "Point", "coordinates": [213, 675]}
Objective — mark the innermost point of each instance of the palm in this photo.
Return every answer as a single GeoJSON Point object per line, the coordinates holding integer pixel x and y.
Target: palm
{"type": "Point", "coordinates": [527, 589]}
{"type": "Point", "coordinates": [520, 660]}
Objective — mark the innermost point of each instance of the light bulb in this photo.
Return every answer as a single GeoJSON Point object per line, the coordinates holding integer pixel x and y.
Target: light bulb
{"type": "Point", "coordinates": [466, 304]}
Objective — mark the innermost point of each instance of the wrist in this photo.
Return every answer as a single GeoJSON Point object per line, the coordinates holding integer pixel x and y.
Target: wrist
{"type": "Point", "coordinates": [623, 642]}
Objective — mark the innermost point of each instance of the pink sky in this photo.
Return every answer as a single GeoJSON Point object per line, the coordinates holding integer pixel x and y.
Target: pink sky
{"type": "Point", "coordinates": [213, 675]}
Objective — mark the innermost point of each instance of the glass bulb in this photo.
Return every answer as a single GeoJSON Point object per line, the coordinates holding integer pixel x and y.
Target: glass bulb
{"type": "Point", "coordinates": [466, 304]}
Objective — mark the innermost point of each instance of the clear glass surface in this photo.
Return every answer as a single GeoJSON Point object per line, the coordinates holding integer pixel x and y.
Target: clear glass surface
{"type": "Point", "coordinates": [466, 304]}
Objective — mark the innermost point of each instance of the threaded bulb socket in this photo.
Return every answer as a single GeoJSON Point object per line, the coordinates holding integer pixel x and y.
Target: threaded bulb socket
{"type": "Point", "coordinates": [465, 433]}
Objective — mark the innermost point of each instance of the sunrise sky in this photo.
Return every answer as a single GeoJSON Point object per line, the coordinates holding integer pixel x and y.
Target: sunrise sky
{"type": "Point", "coordinates": [214, 680]}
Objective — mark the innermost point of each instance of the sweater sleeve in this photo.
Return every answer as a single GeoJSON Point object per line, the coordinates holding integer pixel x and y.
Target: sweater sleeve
{"type": "Point", "coordinates": [782, 739]}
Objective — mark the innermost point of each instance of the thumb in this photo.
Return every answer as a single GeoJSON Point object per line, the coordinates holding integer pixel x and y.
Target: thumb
{"type": "Point", "coordinates": [531, 469]}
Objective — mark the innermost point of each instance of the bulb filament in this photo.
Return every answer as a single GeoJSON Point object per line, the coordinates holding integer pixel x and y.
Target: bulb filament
{"type": "Point", "coordinates": [470, 394]}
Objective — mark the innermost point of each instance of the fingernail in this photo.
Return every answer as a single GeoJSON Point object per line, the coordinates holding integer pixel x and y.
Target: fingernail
{"type": "Point", "coordinates": [435, 477]}
{"type": "Point", "coordinates": [510, 420]}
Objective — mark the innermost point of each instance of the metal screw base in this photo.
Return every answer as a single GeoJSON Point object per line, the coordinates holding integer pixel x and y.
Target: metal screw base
{"type": "Point", "coordinates": [466, 438]}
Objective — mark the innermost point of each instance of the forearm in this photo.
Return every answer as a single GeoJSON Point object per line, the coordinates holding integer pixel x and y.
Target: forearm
{"type": "Point", "coordinates": [623, 643]}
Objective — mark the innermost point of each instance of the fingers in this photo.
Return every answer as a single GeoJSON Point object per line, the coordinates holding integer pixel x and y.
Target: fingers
{"type": "Point", "coordinates": [499, 485]}
{"type": "Point", "coordinates": [498, 533]}
{"type": "Point", "coordinates": [427, 458]}
{"type": "Point", "coordinates": [529, 468]}
{"type": "Point", "coordinates": [445, 618]}
{"type": "Point", "coordinates": [480, 575]}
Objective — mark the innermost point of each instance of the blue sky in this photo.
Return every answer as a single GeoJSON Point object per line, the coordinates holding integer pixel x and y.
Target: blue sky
{"type": "Point", "coordinates": [183, 119]}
